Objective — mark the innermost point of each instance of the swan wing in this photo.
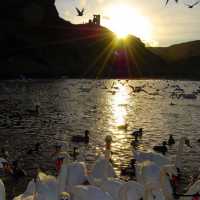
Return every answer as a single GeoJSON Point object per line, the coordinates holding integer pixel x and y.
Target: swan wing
{"type": "Point", "coordinates": [77, 173]}
{"type": "Point", "coordinates": [89, 193]}
{"type": "Point", "coordinates": [131, 190]}
{"type": "Point", "coordinates": [103, 169]}
{"type": "Point", "coordinates": [47, 187]}
{"type": "Point", "coordinates": [112, 187]}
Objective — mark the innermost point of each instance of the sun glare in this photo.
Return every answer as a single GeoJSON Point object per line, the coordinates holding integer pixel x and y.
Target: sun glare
{"type": "Point", "coordinates": [124, 20]}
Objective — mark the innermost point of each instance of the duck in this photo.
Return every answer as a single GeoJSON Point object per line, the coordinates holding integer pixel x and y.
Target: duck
{"type": "Point", "coordinates": [171, 140]}
{"type": "Point", "coordinates": [130, 170]}
{"type": "Point", "coordinates": [172, 104]}
{"type": "Point", "coordinates": [17, 172]}
{"type": "Point", "coordinates": [138, 133]}
{"type": "Point", "coordinates": [75, 153]}
{"type": "Point", "coordinates": [80, 138]}
{"type": "Point", "coordinates": [36, 149]}
{"type": "Point", "coordinates": [161, 149]}
{"type": "Point", "coordinates": [36, 111]}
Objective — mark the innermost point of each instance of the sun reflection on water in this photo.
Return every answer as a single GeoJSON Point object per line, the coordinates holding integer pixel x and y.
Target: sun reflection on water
{"type": "Point", "coordinates": [119, 105]}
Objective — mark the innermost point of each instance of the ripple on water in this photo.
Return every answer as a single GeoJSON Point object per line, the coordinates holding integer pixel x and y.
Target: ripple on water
{"type": "Point", "coordinates": [69, 107]}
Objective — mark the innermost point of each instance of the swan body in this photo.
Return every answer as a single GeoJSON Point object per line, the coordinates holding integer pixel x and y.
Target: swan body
{"type": "Point", "coordinates": [72, 174]}
{"type": "Point", "coordinates": [152, 156]}
{"type": "Point", "coordinates": [102, 170]}
{"type": "Point", "coordinates": [161, 160]}
{"type": "Point", "coordinates": [89, 193]}
{"type": "Point", "coordinates": [2, 191]}
{"type": "Point", "coordinates": [148, 172]}
{"type": "Point", "coordinates": [112, 187]}
{"type": "Point", "coordinates": [131, 190]}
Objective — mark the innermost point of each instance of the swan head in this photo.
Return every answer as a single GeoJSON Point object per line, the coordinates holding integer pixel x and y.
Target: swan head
{"type": "Point", "coordinates": [65, 196]}
{"type": "Point", "coordinates": [108, 139]}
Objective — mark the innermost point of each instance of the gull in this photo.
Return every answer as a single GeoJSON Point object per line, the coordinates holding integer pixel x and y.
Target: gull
{"type": "Point", "coordinates": [192, 5]}
{"type": "Point", "coordinates": [168, 1]}
{"type": "Point", "coordinates": [80, 12]}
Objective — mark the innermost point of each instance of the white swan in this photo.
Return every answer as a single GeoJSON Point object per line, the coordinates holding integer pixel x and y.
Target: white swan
{"type": "Point", "coordinates": [148, 172]}
{"type": "Point", "coordinates": [160, 159]}
{"type": "Point", "coordinates": [44, 188]}
{"type": "Point", "coordinates": [89, 193]}
{"type": "Point", "coordinates": [101, 171]}
{"type": "Point", "coordinates": [131, 190]}
{"type": "Point", "coordinates": [2, 191]}
{"type": "Point", "coordinates": [72, 174]}
{"type": "Point", "coordinates": [113, 187]}
{"type": "Point", "coordinates": [178, 160]}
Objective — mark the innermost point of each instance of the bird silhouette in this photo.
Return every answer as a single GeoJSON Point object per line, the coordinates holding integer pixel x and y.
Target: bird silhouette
{"type": "Point", "coordinates": [80, 12]}
{"type": "Point", "coordinates": [192, 5]}
{"type": "Point", "coordinates": [168, 1]}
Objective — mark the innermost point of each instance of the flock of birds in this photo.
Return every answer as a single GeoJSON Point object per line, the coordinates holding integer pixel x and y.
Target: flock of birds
{"type": "Point", "coordinates": [80, 13]}
{"type": "Point", "coordinates": [188, 5]}
{"type": "Point", "coordinates": [155, 176]}
{"type": "Point", "coordinates": [149, 168]}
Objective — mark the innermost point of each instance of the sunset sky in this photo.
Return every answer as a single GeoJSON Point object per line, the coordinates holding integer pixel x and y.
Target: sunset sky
{"type": "Point", "coordinates": [149, 19]}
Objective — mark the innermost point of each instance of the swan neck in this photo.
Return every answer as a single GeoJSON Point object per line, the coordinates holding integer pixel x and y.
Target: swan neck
{"type": "Point", "coordinates": [179, 152]}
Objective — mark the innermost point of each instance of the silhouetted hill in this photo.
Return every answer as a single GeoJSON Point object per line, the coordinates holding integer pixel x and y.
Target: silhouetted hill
{"type": "Point", "coordinates": [37, 43]}
{"type": "Point", "coordinates": [183, 59]}
{"type": "Point", "coordinates": [178, 52]}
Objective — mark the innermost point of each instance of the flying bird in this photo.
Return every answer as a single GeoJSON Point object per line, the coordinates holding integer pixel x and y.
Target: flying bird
{"type": "Point", "coordinates": [80, 12]}
{"type": "Point", "coordinates": [192, 5]}
{"type": "Point", "coordinates": [168, 1]}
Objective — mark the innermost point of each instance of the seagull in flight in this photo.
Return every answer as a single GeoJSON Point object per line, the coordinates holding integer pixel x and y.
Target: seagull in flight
{"type": "Point", "coordinates": [168, 1]}
{"type": "Point", "coordinates": [192, 5]}
{"type": "Point", "coordinates": [80, 12]}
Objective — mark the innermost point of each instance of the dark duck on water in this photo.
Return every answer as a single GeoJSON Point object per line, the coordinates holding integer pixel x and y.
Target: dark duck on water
{"type": "Point", "coordinates": [137, 133]}
{"type": "Point", "coordinates": [81, 138]}
{"type": "Point", "coordinates": [36, 111]}
{"type": "Point", "coordinates": [171, 140]}
{"type": "Point", "coordinates": [161, 149]}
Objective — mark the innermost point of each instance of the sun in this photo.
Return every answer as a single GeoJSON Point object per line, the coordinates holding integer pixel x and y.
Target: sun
{"type": "Point", "coordinates": [124, 20]}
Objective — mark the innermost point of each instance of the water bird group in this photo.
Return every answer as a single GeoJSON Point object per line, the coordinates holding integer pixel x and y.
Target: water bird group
{"type": "Point", "coordinates": [153, 176]}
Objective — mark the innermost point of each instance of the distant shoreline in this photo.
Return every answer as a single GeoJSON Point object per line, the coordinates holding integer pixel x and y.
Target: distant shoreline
{"type": "Point", "coordinates": [102, 78]}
